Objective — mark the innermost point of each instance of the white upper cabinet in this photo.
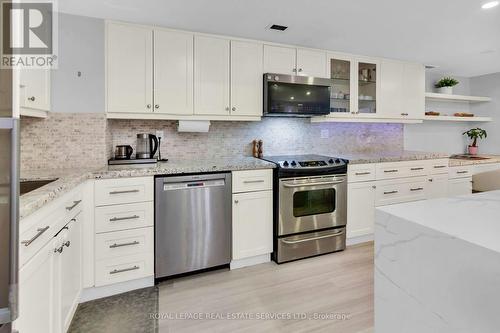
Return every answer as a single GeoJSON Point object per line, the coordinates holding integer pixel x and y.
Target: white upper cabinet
{"type": "Point", "coordinates": [129, 68]}
{"type": "Point", "coordinates": [246, 78]}
{"type": "Point", "coordinates": [34, 90]}
{"type": "Point", "coordinates": [311, 63]}
{"type": "Point", "coordinates": [211, 76]}
{"type": "Point", "coordinates": [279, 59]}
{"type": "Point", "coordinates": [173, 72]}
{"type": "Point", "coordinates": [402, 90]}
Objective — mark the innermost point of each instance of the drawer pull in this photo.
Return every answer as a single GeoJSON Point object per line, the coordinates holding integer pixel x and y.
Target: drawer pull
{"type": "Point", "coordinates": [123, 244]}
{"type": "Point", "coordinates": [75, 203]}
{"type": "Point", "coordinates": [439, 166]}
{"type": "Point", "coordinates": [391, 192]}
{"type": "Point", "coordinates": [40, 231]}
{"type": "Point", "coordinates": [114, 219]}
{"type": "Point", "coordinates": [253, 181]}
{"type": "Point", "coordinates": [416, 169]}
{"type": "Point", "coordinates": [461, 172]}
{"type": "Point", "coordinates": [417, 189]}
{"type": "Point", "coordinates": [123, 192]}
{"type": "Point", "coordinates": [393, 170]}
{"type": "Point", "coordinates": [115, 271]}
{"type": "Point", "coordinates": [362, 173]}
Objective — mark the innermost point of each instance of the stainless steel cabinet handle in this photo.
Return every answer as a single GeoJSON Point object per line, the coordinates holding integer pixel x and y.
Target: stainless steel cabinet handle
{"type": "Point", "coordinates": [157, 106]}
{"type": "Point", "coordinates": [233, 108]}
{"type": "Point", "coordinates": [236, 201]}
{"type": "Point", "coordinates": [439, 166]}
{"type": "Point", "coordinates": [313, 238]}
{"type": "Point", "coordinates": [300, 69]}
{"type": "Point", "coordinates": [75, 203]}
{"type": "Point", "coordinates": [417, 189]}
{"type": "Point", "coordinates": [374, 186]}
{"type": "Point", "coordinates": [253, 181]}
{"type": "Point", "coordinates": [124, 270]}
{"type": "Point", "coordinates": [362, 173]}
{"type": "Point", "coordinates": [465, 171]}
{"type": "Point", "coordinates": [40, 231]}
{"type": "Point", "coordinates": [312, 184]}
{"type": "Point", "coordinates": [59, 249]}
{"type": "Point", "coordinates": [123, 244]}
{"type": "Point", "coordinates": [114, 219]}
{"type": "Point", "coordinates": [32, 98]}
{"type": "Point", "coordinates": [148, 106]}
{"type": "Point", "coordinates": [393, 170]}
{"type": "Point", "coordinates": [404, 114]}
{"type": "Point", "coordinates": [416, 169]}
{"type": "Point", "coordinates": [66, 243]}
{"type": "Point", "coordinates": [431, 180]}
{"type": "Point", "coordinates": [294, 70]}
{"type": "Point", "coordinates": [123, 192]}
{"type": "Point", "coordinates": [391, 192]}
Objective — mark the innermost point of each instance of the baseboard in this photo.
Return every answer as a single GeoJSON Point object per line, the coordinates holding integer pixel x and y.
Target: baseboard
{"type": "Point", "coordinates": [359, 239]}
{"type": "Point", "coordinates": [90, 294]}
{"type": "Point", "coordinates": [240, 263]}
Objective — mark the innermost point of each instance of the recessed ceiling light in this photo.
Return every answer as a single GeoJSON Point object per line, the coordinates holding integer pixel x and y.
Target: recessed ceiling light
{"type": "Point", "coordinates": [490, 4]}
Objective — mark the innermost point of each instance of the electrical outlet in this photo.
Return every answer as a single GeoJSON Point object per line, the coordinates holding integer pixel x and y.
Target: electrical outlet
{"type": "Point", "coordinates": [325, 134]}
{"type": "Point", "coordinates": [159, 134]}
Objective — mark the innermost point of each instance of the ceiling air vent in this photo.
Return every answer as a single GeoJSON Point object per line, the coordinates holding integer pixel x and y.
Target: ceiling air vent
{"type": "Point", "coordinates": [278, 27]}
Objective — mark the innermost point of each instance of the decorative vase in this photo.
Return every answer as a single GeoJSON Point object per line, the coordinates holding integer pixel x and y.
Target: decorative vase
{"type": "Point", "coordinates": [445, 90]}
{"type": "Point", "coordinates": [472, 150]}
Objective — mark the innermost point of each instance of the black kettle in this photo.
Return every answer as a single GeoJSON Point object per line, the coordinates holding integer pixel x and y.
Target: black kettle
{"type": "Point", "coordinates": [147, 145]}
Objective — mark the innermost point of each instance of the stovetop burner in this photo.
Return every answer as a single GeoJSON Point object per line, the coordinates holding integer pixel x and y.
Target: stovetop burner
{"type": "Point", "coordinates": [294, 165]}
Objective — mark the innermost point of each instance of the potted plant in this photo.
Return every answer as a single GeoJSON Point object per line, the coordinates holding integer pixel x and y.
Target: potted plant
{"type": "Point", "coordinates": [474, 134]}
{"type": "Point", "coordinates": [445, 85]}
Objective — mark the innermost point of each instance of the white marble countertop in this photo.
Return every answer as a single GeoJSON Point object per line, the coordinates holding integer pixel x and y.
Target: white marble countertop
{"type": "Point", "coordinates": [69, 179]}
{"type": "Point", "coordinates": [390, 156]}
{"type": "Point", "coordinates": [473, 218]}
{"type": "Point", "coordinates": [462, 162]}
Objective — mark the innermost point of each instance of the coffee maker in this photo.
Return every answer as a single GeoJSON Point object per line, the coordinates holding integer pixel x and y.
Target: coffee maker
{"type": "Point", "coordinates": [146, 146]}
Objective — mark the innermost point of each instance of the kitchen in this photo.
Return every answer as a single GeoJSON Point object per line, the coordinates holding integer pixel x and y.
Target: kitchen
{"type": "Point", "coordinates": [185, 176]}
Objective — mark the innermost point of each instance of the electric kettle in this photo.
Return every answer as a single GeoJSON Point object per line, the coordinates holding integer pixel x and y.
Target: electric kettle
{"type": "Point", "coordinates": [147, 145]}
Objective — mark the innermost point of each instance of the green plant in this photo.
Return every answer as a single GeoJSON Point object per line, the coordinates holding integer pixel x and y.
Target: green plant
{"type": "Point", "coordinates": [446, 82]}
{"type": "Point", "coordinates": [474, 134]}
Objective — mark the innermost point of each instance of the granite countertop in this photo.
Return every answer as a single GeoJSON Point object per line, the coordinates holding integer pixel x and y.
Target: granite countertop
{"type": "Point", "coordinates": [69, 179]}
{"type": "Point", "coordinates": [462, 162]}
{"type": "Point", "coordinates": [390, 156]}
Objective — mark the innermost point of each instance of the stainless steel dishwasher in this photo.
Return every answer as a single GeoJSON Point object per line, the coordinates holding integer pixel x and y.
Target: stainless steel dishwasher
{"type": "Point", "coordinates": [192, 223]}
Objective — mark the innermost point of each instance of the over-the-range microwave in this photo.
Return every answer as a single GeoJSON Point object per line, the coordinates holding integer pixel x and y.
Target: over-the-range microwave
{"type": "Point", "coordinates": [296, 96]}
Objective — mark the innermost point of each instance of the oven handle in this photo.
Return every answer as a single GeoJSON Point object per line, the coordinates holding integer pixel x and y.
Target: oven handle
{"type": "Point", "coordinates": [313, 184]}
{"type": "Point", "coordinates": [313, 239]}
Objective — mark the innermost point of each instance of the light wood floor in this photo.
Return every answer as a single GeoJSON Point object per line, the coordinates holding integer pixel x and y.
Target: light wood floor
{"type": "Point", "coordinates": [338, 283]}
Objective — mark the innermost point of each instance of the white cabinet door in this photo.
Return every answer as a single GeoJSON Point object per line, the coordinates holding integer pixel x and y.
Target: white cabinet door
{"type": "Point", "coordinates": [70, 270]}
{"type": "Point", "coordinates": [311, 63]}
{"type": "Point", "coordinates": [252, 224]}
{"type": "Point", "coordinates": [438, 186]}
{"type": "Point", "coordinates": [391, 100]}
{"type": "Point", "coordinates": [413, 91]}
{"type": "Point", "coordinates": [211, 76]}
{"type": "Point", "coordinates": [246, 78]}
{"type": "Point", "coordinates": [36, 294]}
{"type": "Point", "coordinates": [459, 186]}
{"type": "Point", "coordinates": [360, 209]}
{"type": "Point", "coordinates": [35, 89]}
{"type": "Point", "coordinates": [281, 60]}
{"type": "Point", "coordinates": [173, 72]}
{"type": "Point", "coordinates": [129, 68]}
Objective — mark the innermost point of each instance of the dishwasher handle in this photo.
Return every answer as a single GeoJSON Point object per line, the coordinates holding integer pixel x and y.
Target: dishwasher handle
{"type": "Point", "coordinates": [194, 184]}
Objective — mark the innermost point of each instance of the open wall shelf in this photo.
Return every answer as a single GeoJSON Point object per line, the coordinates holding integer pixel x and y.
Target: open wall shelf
{"type": "Point", "coordinates": [457, 98]}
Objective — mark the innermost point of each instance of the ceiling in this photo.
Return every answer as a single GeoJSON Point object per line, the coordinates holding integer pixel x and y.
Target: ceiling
{"type": "Point", "coordinates": [456, 35]}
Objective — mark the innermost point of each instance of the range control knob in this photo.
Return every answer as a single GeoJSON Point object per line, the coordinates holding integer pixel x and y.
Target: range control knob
{"type": "Point", "coordinates": [337, 161]}
{"type": "Point", "coordinates": [293, 163]}
{"type": "Point", "coordinates": [330, 161]}
{"type": "Point", "coordinates": [285, 164]}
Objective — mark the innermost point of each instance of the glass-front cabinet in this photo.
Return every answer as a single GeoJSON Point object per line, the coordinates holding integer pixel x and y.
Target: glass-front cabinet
{"type": "Point", "coordinates": [355, 86]}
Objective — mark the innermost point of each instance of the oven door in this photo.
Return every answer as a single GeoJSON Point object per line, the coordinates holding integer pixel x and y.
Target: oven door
{"type": "Point", "coordinates": [312, 203]}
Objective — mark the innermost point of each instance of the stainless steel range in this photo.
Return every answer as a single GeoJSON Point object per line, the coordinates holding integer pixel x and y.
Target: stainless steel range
{"type": "Point", "coordinates": [310, 206]}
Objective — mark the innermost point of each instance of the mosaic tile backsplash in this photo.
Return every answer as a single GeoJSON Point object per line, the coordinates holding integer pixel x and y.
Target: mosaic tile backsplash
{"type": "Point", "coordinates": [73, 140]}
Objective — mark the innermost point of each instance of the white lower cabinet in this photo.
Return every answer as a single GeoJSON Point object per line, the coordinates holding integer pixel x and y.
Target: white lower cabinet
{"type": "Point", "coordinates": [252, 224]}
{"type": "Point", "coordinates": [437, 186]}
{"type": "Point", "coordinates": [460, 186]}
{"type": "Point", "coordinates": [360, 208]}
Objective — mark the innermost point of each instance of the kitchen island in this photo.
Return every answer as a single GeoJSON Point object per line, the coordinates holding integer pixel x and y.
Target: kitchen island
{"type": "Point", "coordinates": [437, 265]}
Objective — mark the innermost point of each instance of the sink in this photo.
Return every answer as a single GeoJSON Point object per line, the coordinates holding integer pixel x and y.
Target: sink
{"type": "Point", "coordinates": [31, 185]}
{"type": "Point", "coordinates": [469, 157]}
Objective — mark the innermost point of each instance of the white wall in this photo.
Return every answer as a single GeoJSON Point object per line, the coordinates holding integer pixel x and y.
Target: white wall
{"type": "Point", "coordinates": [81, 49]}
{"type": "Point", "coordinates": [488, 85]}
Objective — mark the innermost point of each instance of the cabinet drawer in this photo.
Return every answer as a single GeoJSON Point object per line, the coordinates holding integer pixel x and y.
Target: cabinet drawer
{"type": "Point", "coordinates": [460, 172]}
{"type": "Point", "coordinates": [438, 166]}
{"type": "Point", "coordinates": [122, 269]}
{"type": "Point", "coordinates": [404, 190]}
{"type": "Point", "coordinates": [122, 217]}
{"type": "Point", "coordinates": [123, 190]}
{"type": "Point", "coordinates": [252, 180]}
{"type": "Point", "coordinates": [361, 172]}
{"type": "Point", "coordinates": [401, 169]}
{"type": "Point", "coordinates": [124, 243]}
